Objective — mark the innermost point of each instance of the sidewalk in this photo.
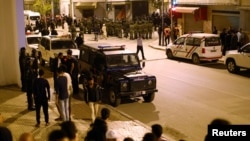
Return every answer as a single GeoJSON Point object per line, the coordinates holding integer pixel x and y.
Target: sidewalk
{"type": "Point", "coordinates": [18, 119]}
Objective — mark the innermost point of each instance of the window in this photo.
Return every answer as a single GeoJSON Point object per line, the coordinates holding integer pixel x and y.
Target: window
{"type": "Point", "coordinates": [84, 55]}
{"type": "Point", "coordinates": [62, 44]}
{"type": "Point", "coordinates": [212, 41]}
{"type": "Point", "coordinates": [33, 40]}
{"type": "Point", "coordinates": [197, 42]}
{"type": "Point", "coordinates": [246, 49]}
{"type": "Point", "coordinates": [180, 41]}
{"type": "Point", "coordinates": [190, 41]}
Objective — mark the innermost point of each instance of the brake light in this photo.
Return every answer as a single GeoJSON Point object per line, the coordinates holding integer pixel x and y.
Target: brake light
{"type": "Point", "coordinates": [203, 50]}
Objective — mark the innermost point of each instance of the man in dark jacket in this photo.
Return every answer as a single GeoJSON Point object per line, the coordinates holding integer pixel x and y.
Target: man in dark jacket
{"type": "Point", "coordinates": [92, 96]}
{"type": "Point", "coordinates": [22, 62]}
{"type": "Point", "coordinates": [41, 91]}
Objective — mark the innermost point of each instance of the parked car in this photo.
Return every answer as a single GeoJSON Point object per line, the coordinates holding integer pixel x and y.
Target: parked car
{"type": "Point", "coordinates": [118, 71]}
{"type": "Point", "coordinates": [50, 46]}
{"type": "Point", "coordinates": [196, 47]}
{"type": "Point", "coordinates": [237, 59]}
{"type": "Point", "coordinates": [32, 42]}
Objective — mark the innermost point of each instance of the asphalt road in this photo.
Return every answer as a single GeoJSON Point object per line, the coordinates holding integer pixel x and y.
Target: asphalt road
{"type": "Point", "coordinates": [191, 96]}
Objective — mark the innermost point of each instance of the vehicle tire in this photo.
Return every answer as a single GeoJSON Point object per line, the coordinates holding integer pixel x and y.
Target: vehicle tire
{"type": "Point", "coordinates": [231, 66]}
{"type": "Point", "coordinates": [114, 99]}
{"type": "Point", "coordinates": [169, 54]}
{"type": "Point", "coordinates": [195, 59]}
{"type": "Point", "coordinates": [149, 97]}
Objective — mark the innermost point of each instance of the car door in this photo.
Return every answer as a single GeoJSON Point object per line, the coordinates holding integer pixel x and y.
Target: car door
{"type": "Point", "coordinates": [244, 57]}
{"type": "Point", "coordinates": [178, 46]}
{"type": "Point", "coordinates": [189, 47]}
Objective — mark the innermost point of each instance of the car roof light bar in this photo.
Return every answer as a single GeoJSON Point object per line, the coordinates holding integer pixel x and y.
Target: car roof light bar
{"type": "Point", "coordinates": [110, 47]}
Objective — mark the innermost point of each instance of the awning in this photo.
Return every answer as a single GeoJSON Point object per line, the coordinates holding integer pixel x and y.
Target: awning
{"type": "Point", "coordinates": [119, 3]}
{"type": "Point", "coordinates": [86, 5]}
{"type": "Point", "coordinates": [185, 9]}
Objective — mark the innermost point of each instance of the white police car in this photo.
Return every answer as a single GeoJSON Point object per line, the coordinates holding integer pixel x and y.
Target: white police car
{"type": "Point", "coordinates": [196, 46]}
{"type": "Point", "coordinates": [236, 59]}
{"type": "Point", "coordinates": [32, 41]}
{"type": "Point", "coordinates": [50, 46]}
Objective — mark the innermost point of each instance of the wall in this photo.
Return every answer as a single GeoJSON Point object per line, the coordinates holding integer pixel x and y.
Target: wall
{"type": "Point", "coordinates": [12, 39]}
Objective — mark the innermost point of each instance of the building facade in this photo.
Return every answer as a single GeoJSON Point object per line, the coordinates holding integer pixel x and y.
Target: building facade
{"type": "Point", "coordinates": [196, 15]}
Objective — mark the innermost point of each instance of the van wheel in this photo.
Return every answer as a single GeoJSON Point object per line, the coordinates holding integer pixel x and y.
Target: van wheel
{"type": "Point", "coordinates": [196, 59]}
{"type": "Point", "coordinates": [231, 66]}
{"type": "Point", "coordinates": [169, 54]}
{"type": "Point", "coordinates": [114, 99]}
{"type": "Point", "coordinates": [149, 97]}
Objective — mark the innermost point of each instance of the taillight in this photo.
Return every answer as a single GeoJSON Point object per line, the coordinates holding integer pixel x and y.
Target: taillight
{"type": "Point", "coordinates": [203, 50]}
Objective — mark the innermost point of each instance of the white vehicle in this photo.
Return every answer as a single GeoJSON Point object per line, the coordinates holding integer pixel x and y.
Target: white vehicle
{"type": "Point", "coordinates": [236, 59]}
{"type": "Point", "coordinates": [32, 42]}
{"type": "Point", "coordinates": [50, 46]}
{"type": "Point", "coordinates": [30, 17]}
{"type": "Point", "coordinates": [197, 47]}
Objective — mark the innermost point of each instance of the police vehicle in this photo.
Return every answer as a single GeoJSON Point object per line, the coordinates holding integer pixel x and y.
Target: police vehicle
{"type": "Point", "coordinates": [237, 59]}
{"type": "Point", "coordinates": [118, 71]}
{"type": "Point", "coordinates": [196, 47]}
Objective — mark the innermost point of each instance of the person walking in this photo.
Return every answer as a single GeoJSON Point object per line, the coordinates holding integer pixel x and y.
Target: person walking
{"type": "Point", "coordinates": [92, 97]}
{"type": "Point", "coordinates": [62, 96]}
{"type": "Point", "coordinates": [29, 78]}
{"type": "Point", "coordinates": [140, 47]}
{"type": "Point", "coordinates": [41, 90]}
{"type": "Point", "coordinates": [104, 31]}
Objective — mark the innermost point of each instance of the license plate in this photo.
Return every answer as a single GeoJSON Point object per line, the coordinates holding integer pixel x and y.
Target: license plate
{"type": "Point", "coordinates": [213, 50]}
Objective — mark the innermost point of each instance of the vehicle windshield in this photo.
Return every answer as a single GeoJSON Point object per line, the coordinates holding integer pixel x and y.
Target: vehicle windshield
{"type": "Point", "coordinates": [33, 40]}
{"type": "Point", "coordinates": [63, 44]}
{"type": "Point", "coordinates": [34, 17]}
{"type": "Point", "coordinates": [212, 41]}
{"type": "Point", "coordinates": [122, 60]}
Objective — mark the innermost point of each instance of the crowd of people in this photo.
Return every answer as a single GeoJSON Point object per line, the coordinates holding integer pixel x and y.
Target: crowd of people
{"type": "Point", "coordinates": [232, 39]}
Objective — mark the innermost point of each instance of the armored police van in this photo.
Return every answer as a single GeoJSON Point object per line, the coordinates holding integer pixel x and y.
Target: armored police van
{"type": "Point", "coordinates": [118, 71]}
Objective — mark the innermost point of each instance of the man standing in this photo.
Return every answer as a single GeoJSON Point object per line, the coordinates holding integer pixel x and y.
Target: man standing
{"type": "Point", "coordinates": [62, 96]}
{"type": "Point", "coordinates": [56, 64]}
{"type": "Point", "coordinates": [140, 46]}
{"type": "Point", "coordinates": [92, 97]}
{"type": "Point", "coordinates": [72, 66]}
{"type": "Point", "coordinates": [41, 90]}
{"type": "Point", "coordinates": [22, 62]}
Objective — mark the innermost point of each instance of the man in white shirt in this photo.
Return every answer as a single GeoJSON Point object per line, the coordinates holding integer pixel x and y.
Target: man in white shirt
{"type": "Point", "coordinates": [140, 47]}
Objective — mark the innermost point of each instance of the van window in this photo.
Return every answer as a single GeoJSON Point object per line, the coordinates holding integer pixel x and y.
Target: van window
{"type": "Point", "coordinates": [180, 41]}
{"type": "Point", "coordinates": [197, 42]}
{"type": "Point", "coordinates": [212, 41]}
{"type": "Point", "coordinates": [84, 55]}
{"type": "Point", "coordinates": [190, 41]}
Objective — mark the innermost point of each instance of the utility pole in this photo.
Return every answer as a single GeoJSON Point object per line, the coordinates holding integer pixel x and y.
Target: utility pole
{"type": "Point", "coordinates": [52, 10]}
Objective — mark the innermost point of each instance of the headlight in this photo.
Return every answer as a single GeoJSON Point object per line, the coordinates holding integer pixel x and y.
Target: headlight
{"type": "Point", "coordinates": [150, 82]}
{"type": "Point", "coordinates": [124, 85]}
